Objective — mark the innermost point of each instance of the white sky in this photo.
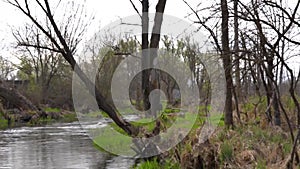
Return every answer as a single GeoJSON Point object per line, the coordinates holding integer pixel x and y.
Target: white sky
{"type": "Point", "coordinates": [106, 11]}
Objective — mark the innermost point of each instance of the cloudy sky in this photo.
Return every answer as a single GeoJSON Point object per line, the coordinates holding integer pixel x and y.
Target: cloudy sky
{"type": "Point", "coordinates": [105, 11]}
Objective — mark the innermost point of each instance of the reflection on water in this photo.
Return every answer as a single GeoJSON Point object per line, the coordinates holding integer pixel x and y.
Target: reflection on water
{"type": "Point", "coordinates": [58, 146]}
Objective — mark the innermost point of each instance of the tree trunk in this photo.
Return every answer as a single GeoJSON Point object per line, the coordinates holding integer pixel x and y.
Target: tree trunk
{"type": "Point", "coordinates": [145, 55]}
{"type": "Point", "coordinates": [227, 64]}
{"type": "Point", "coordinates": [154, 45]}
{"type": "Point", "coordinates": [237, 89]}
{"type": "Point", "coordinates": [148, 58]}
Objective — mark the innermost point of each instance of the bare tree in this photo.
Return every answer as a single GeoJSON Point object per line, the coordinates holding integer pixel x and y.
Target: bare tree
{"type": "Point", "coordinates": [45, 63]}
{"type": "Point", "coordinates": [65, 42]}
{"type": "Point", "coordinates": [275, 17]}
{"type": "Point", "coordinates": [6, 68]}
{"type": "Point", "coordinates": [148, 58]}
{"type": "Point", "coordinates": [65, 39]}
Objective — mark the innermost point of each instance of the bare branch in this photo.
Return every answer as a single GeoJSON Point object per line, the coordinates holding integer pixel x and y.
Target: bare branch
{"type": "Point", "coordinates": [205, 26]}
{"type": "Point", "coordinates": [39, 47]}
{"type": "Point", "coordinates": [137, 11]}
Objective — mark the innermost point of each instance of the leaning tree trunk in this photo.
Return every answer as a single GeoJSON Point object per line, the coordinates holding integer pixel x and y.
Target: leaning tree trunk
{"type": "Point", "coordinates": [15, 98]}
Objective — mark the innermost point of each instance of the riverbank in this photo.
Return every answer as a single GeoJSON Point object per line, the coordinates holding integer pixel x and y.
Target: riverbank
{"type": "Point", "coordinates": [247, 146]}
{"type": "Point", "coordinates": [252, 144]}
{"type": "Point", "coordinates": [15, 118]}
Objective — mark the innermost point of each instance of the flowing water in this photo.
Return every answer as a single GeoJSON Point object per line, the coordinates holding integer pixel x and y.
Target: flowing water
{"type": "Point", "coordinates": [59, 146]}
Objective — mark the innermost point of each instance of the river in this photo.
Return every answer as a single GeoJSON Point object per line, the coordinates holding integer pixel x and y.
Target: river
{"type": "Point", "coordinates": [58, 146]}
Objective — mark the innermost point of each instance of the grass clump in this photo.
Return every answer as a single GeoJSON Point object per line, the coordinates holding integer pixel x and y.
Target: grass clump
{"type": "Point", "coordinates": [149, 165]}
{"type": "Point", "coordinates": [261, 164]}
{"type": "Point", "coordinates": [154, 164]}
{"type": "Point", "coordinates": [226, 152]}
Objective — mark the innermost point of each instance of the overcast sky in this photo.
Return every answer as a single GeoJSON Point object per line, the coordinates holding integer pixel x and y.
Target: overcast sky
{"type": "Point", "coordinates": [105, 11]}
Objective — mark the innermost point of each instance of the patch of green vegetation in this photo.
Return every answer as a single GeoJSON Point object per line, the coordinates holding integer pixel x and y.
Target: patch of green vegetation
{"type": "Point", "coordinates": [154, 164]}
{"type": "Point", "coordinates": [128, 110]}
{"type": "Point", "coordinates": [112, 142]}
{"type": "Point", "coordinates": [54, 110]}
{"type": "Point", "coordinates": [116, 142]}
{"type": "Point", "coordinates": [117, 128]}
{"type": "Point", "coordinates": [221, 135]}
{"type": "Point", "coordinates": [40, 121]}
{"type": "Point", "coordinates": [69, 117]}
{"type": "Point", "coordinates": [227, 151]}
{"type": "Point", "coordinates": [143, 120]}
{"type": "Point", "coordinates": [259, 134]}
{"type": "Point", "coordinates": [217, 119]}
{"type": "Point", "coordinates": [289, 102]}
{"type": "Point", "coordinates": [171, 165]}
{"type": "Point", "coordinates": [203, 108]}
{"type": "Point", "coordinates": [148, 165]}
{"type": "Point", "coordinates": [66, 118]}
{"type": "Point", "coordinates": [261, 164]}
{"type": "Point", "coordinates": [96, 114]}
{"type": "Point", "coordinates": [270, 136]}
{"type": "Point", "coordinates": [3, 123]}
{"type": "Point", "coordinates": [287, 148]}
{"type": "Point", "coordinates": [171, 110]}
{"type": "Point", "coordinates": [248, 107]}
{"type": "Point", "coordinates": [276, 138]}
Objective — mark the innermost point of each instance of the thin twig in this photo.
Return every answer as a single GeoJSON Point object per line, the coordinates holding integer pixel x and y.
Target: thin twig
{"type": "Point", "coordinates": [137, 11]}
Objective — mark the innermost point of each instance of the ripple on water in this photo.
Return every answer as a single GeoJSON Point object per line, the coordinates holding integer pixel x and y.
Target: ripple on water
{"type": "Point", "coordinates": [58, 146]}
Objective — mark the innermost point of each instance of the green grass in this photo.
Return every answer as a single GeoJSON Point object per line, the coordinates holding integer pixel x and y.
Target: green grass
{"type": "Point", "coordinates": [217, 119]}
{"type": "Point", "coordinates": [66, 118]}
{"type": "Point", "coordinates": [40, 121]}
{"type": "Point", "coordinates": [259, 134]}
{"type": "Point", "coordinates": [112, 142]}
{"type": "Point", "coordinates": [287, 148]}
{"type": "Point", "coordinates": [113, 139]}
{"type": "Point", "coordinates": [261, 164]}
{"type": "Point", "coordinates": [128, 111]}
{"type": "Point", "coordinates": [54, 110]}
{"type": "Point", "coordinates": [171, 110]}
{"type": "Point", "coordinates": [154, 164]}
{"type": "Point", "coordinates": [149, 165]}
{"type": "Point", "coordinates": [97, 114]}
{"type": "Point", "coordinates": [3, 123]}
{"type": "Point", "coordinates": [69, 117]}
{"type": "Point", "coordinates": [226, 152]}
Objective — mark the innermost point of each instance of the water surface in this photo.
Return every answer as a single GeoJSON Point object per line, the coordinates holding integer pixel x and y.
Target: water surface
{"type": "Point", "coordinates": [59, 146]}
